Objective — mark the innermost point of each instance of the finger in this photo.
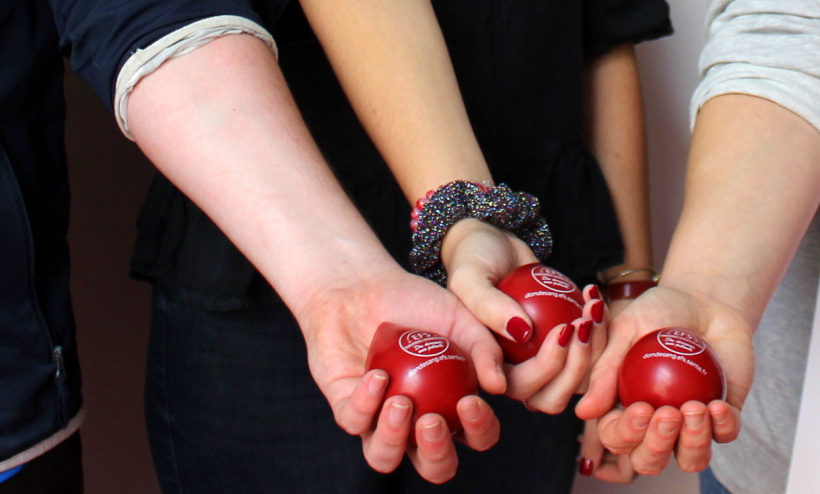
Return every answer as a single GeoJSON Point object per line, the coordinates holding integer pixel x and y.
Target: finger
{"type": "Point", "coordinates": [694, 448]}
{"type": "Point", "coordinates": [481, 426]}
{"type": "Point", "coordinates": [595, 310]}
{"type": "Point", "coordinates": [591, 292]}
{"type": "Point", "coordinates": [526, 378]}
{"type": "Point", "coordinates": [603, 385]}
{"type": "Point", "coordinates": [357, 413]}
{"type": "Point", "coordinates": [434, 457]}
{"type": "Point", "coordinates": [556, 394]}
{"type": "Point", "coordinates": [489, 366]}
{"type": "Point", "coordinates": [654, 453]}
{"type": "Point", "coordinates": [621, 431]}
{"type": "Point", "coordinates": [616, 469]}
{"type": "Point", "coordinates": [596, 460]}
{"type": "Point", "coordinates": [725, 420]}
{"type": "Point", "coordinates": [384, 448]}
{"type": "Point", "coordinates": [592, 451]}
{"type": "Point", "coordinates": [503, 315]}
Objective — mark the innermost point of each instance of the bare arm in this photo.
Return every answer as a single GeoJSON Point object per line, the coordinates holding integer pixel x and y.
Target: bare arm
{"type": "Point", "coordinates": [752, 188]}
{"type": "Point", "coordinates": [393, 63]}
{"type": "Point", "coordinates": [766, 199]}
{"type": "Point", "coordinates": [616, 134]}
{"type": "Point", "coordinates": [220, 123]}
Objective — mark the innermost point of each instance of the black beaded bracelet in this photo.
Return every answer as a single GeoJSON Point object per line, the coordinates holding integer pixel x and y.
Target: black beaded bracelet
{"type": "Point", "coordinates": [517, 212]}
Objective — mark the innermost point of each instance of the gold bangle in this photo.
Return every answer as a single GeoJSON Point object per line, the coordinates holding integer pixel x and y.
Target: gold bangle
{"type": "Point", "coordinates": [656, 276]}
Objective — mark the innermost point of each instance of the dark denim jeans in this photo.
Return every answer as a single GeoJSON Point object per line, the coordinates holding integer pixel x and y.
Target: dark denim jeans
{"type": "Point", "coordinates": [231, 408]}
{"type": "Point", "coordinates": [709, 484]}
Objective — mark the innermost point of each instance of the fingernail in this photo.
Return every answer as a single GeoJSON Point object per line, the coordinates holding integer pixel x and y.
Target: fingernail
{"type": "Point", "coordinates": [693, 420]}
{"type": "Point", "coordinates": [720, 417]}
{"type": "Point", "coordinates": [584, 331]}
{"type": "Point", "coordinates": [594, 292]}
{"type": "Point", "coordinates": [398, 414]}
{"type": "Point", "coordinates": [598, 311]}
{"type": "Point", "coordinates": [376, 383]}
{"type": "Point", "coordinates": [471, 410]}
{"type": "Point", "coordinates": [566, 334]}
{"type": "Point", "coordinates": [585, 467]}
{"type": "Point", "coordinates": [641, 422]}
{"type": "Point", "coordinates": [667, 427]}
{"type": "Point", "coordinates": [432, 432]}
{"type": "Point", "coordinates": [519, 329]}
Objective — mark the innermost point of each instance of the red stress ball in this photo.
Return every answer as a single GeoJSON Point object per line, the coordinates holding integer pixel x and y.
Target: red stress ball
{"type": "Point", "coordinates": [670, 367]}
{"type": "Point", "coordinates": [426, 367]}
{"type": "Point", "coordinates": [548, 297]}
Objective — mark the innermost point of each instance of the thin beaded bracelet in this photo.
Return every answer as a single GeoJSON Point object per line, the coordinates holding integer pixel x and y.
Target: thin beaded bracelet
{"type": "Point", "coordinates": [440, 209]}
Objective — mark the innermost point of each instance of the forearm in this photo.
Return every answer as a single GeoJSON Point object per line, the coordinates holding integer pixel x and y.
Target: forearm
{"type": "Point", "coordinates": [753, 185]}
{"type": "Point", "coordinates": [220, 123]}
{"type": "Point", "coordinates": [393, 63]}
{"type": "Point", "coordinates": [616, 136]}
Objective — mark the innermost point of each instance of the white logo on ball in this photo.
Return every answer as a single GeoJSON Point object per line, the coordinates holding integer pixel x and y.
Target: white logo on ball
{"type": "Point", "coordinates": [423, 344]}
{"type": "Point", "coordinates": [552, 279]}
{"type": "Point", "coordinates": [681, 342]}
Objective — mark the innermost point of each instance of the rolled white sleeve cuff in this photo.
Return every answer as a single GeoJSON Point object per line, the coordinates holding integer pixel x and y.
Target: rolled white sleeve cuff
{"type": "Point", "coordinates": [764, 48]}
{"type": "Point", "coordinates": [184, 40]}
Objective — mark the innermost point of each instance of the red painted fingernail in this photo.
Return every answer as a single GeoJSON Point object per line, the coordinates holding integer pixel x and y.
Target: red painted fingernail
{"type": "Point", "coordinates": [584, 330]}
{"type": "Point", "coordinates": [598, 311]}
{"type": "Point", "coordinates": [519, 329]}
{"type": "Point", "coordinates": [585, 467]}
{"type": "Point", "coordinates": [594, 292]}
{"type": "Point", "coordinates": [566, 334]}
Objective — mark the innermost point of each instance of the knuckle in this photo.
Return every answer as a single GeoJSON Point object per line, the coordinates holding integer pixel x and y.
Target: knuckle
{"type": "Point", "coordinates": [656, 449]}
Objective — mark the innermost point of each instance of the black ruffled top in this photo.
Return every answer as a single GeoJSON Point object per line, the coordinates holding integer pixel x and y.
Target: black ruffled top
{"type": "Point", "coordinates": [520, 66]}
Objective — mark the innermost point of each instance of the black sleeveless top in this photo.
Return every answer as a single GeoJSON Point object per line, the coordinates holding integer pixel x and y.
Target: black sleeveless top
{"type": "Point", "coordinates": [520, 66]}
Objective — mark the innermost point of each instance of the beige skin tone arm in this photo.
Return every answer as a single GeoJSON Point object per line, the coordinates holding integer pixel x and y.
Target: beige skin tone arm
{"type": "Point", "coordinates": [616, 135]}
{"type": "Point", "coordinates": [753, 185]}
{"type": "Point", "coordinates": [220, 123]}
{"type": "Point", "coordinates": [393, 63]}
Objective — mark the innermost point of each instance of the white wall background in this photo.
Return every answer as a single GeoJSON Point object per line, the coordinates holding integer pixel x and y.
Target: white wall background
{"type": "Point", "coordinates": [109, 178]}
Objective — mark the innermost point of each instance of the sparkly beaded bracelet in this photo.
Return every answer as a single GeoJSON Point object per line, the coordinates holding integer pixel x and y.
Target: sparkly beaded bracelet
{"type": "Point", "coordinates": [434, 214]}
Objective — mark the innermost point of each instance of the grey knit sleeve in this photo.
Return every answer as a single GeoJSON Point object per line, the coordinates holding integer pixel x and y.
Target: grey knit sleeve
{"type": "Point", "coordinates": [764, 48]}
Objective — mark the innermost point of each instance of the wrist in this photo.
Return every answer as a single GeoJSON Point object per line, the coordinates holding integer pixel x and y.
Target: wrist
{"type": "Point", "coordinates": [440, 210]}
{"type": "Point", "coordinates": [628, 284]}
